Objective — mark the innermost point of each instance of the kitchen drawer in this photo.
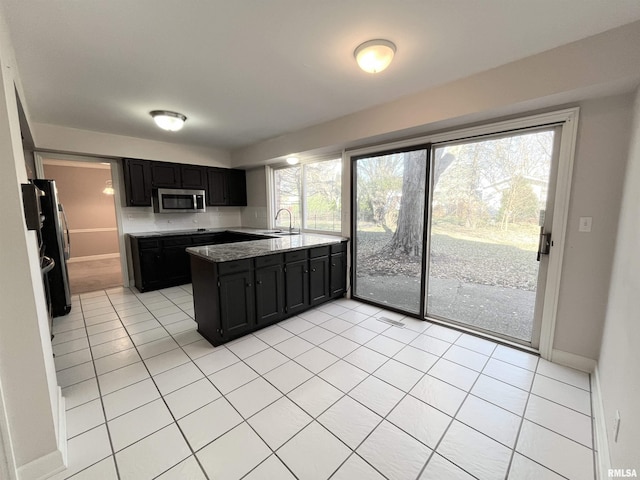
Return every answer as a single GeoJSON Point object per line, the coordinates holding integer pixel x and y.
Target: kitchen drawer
{"type": "Point", "coordinates": [225, 268]}
{"type": "Point", "coordinates": [268, 260]}
{"type": "Point", "coordinates": [339, 247]}
{"type": "Point", "coordinates": [148, 244]}
{"type": "Point", "coordinates": [177, 242]}
{"type": "Point", "coordinates": [319, 252]}
{"type": "Point", "coordinates": [205, 239]}
{"type": "Point", "coordinates": [295, 256]}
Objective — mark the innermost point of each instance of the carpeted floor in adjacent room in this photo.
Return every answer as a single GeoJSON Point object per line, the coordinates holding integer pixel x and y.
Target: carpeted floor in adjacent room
{"type": "Point", "coordinates": [94, 275]}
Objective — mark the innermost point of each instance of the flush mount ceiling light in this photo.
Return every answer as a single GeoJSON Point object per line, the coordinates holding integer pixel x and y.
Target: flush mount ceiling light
{"type": "Point", "coordinates": [375, 55]}
{"type": "Point", "coordinates": [108, 189]}
{"type": "Point", "coordinates": [292, 160]}
{"type": "Point", "coordinates": [171, 121]}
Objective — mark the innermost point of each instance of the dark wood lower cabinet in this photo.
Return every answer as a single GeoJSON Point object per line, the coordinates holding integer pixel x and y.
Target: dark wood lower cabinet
{"type": "Point", "coordinates": [297, 286]}
{"type": "Point", "coordinates": [237, 300]}
{"type": "Point", "coordinates": [270, 295]}
{"type": "Point", "coordinates": [162, 261]}
{"type": "Point", "coordinates": [175, 261]}
{"type": "Point", "coordinates": [234, 298]}
{"type": "Point", "coordinates": [338, 270]}
{"type": "Point", "coordinates": [319, 280]}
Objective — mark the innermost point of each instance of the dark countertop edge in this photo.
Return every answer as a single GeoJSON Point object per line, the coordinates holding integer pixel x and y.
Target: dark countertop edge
{"type": "Point", "coordinates": [175, 233]}
{"type": "Point", "coordinates": [191, 250]}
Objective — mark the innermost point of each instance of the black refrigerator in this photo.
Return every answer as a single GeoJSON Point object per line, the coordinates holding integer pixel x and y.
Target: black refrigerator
{"type": "Point", "coordinates": [55, 239]}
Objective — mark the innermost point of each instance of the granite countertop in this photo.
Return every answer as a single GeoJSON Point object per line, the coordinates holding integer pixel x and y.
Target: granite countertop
{"type": "Point", "coordinates": [256, 248]}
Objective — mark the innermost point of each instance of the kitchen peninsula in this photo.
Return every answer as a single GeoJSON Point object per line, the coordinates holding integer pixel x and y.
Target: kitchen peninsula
{"type": "Point", "coordinates": [241, 287]}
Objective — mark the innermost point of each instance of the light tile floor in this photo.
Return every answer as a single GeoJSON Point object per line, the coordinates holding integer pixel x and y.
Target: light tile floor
{"type": "Point", "coordinates": [332, 393]}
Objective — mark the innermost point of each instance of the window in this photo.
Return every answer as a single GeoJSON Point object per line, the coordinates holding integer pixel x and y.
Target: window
{"type": "Point", "coordinates": [312, 193]}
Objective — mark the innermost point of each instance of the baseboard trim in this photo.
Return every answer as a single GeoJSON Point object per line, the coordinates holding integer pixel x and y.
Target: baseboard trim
{"type": "Point", "coordinates": [62, 427]}
{"type": "Point", "coordinates": [54, 462]}
{"type": "Point", "coordinates": [88, 258]}
{"type": "Point", "coordinates": [601, 440]}
{"type": "Point", "coordinates": [572, 360]}
{"type": "Point", "coordinates": [43, 467]}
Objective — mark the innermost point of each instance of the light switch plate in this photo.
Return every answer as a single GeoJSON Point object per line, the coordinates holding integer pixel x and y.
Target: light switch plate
{"type": "Point", "coordinates": [585, 224]}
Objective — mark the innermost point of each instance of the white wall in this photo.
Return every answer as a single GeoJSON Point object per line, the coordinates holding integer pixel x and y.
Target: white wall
{"type": "Point", "coordinates": [254, 215]}
{"type": "Point", "coordinates": [85, 142]}
{"type": "Point", "coordinates": [620, 352]}
{"type": "Point", "coordinates": [27, 372]}
{"type": "Point", "coordinates": [598, 175]}
{"type": "Point", "coordinates": [596, 66]}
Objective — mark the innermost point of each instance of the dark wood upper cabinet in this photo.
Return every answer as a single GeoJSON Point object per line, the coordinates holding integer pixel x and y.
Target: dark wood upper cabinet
{"type": "Point", "coordinates": [165, 175]}
{"type": "Point", "coordinates": [217, 192]}
{"type": "Point", "coordinates": [223, 186]}
{"type": "Point", "coordinates": [226, 187]}
{"type": "Point", "coordinates": [194, 176]}
{"type": "Point", "coordinates": [137, 181]}
{"type": "Point", "coordinates": [237, 187]}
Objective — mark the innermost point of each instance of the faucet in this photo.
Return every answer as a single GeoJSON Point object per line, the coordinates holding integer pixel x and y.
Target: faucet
{"type": "Point", "coordinates": [289, 212]}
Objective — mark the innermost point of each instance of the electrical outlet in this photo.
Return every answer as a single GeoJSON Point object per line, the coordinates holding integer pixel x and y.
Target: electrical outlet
{"type": "Point", "coordinates": [585, 224]}
{"type": "Point", "coordinates": [616, 426]}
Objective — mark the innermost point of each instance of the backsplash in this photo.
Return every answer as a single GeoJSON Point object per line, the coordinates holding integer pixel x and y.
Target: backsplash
{"type": "Point", "coordinates": [143, 219]}
{"type": "Point", "coordinates": [254, 217]}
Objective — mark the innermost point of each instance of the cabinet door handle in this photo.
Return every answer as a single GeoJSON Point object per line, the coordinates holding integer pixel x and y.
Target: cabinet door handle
{"type": "Point", "coordinates": [333, 264]}
{"type": "Point", "coordinates": [248, 284]}
{"type": "Point", "coordinates": [305, 271]}
{"type": "Point", "coordinates": [313, 269]}
{"type": "Point", "coordinates": [259, 282]}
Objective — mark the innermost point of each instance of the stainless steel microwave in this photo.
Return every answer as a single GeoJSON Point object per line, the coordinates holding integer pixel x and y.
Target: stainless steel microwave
{"type": "Point", "coordinates": [172, 200]}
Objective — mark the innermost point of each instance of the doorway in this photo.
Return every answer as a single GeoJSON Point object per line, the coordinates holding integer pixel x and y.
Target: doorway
{"type": "Point", "coordinates": [458, 230]}
{"type": "Point", "coordinates": [388, 233]}
{"type": "Point", "coordinates": [489, 204]}
{"type": "Point", "coordinates": [85, 188]}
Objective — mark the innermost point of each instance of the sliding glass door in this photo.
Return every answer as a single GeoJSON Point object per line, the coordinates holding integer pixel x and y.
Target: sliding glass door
{"type": "Point", "coordinates": [389, 204]}
{"type": "Point", "coordinates": [488, 206]}
{"type": "Point", "coordinates": [458, 231]}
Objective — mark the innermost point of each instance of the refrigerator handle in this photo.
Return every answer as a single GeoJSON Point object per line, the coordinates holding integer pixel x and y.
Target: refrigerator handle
{"type": "Point", "coordinates": [67, 253]}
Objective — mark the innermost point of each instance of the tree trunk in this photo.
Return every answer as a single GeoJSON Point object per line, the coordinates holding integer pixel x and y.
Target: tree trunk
{"type": "Point", "coordinates": [407, 238]}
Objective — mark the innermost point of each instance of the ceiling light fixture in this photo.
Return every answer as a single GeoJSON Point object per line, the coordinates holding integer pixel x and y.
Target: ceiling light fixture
{"type": "Point", "coordinates": [167, 120]}
{"type": "Point", "coordinates": [375, 55]}
{"type": "Point", "coordinates": [292, 160]}
{"type": "Point", "coordinates": [108, 189]}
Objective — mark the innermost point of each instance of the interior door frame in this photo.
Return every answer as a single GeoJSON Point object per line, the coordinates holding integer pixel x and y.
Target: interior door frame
{"type": "Point", "coordinates": [117, 182]}
{"type": "Point", "coordinates": [567, 120]}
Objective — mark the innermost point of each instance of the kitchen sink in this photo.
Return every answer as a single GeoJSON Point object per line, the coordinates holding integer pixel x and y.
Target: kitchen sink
{"type": "Point", "coordinates": [280, 232]}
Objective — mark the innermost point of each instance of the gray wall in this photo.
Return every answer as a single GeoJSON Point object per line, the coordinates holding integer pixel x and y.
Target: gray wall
{"type": "Point", "coordinates": [620, 355]}
{"type": "Point", "coordinates": [598, 175]}
{"type": "Point", "coordinates": [255, 213]}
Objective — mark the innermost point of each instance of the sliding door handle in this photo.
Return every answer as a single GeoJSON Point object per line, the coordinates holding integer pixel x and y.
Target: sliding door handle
{"type": "Point", "coordinates": [544, 244]}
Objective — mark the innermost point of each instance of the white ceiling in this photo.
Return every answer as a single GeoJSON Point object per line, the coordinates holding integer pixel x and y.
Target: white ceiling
{"type": "Point", "coordinates": [246, 70]}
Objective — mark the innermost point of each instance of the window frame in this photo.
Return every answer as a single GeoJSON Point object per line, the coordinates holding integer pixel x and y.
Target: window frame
{"type": "Point", "coordinates": [271, 204]}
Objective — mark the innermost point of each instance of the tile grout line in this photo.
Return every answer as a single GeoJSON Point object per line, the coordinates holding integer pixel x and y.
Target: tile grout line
{"type": "Point", "coordinates": [101, 404]}
{"type": "Point", "coordinates": [165, 404]}
{"type": "Point", "coordinates": [453, 419]}
{"type": "Point", "coordinates": [146, 436]}
{"type": "Point", "coordinates": [338, 358]}
{"type": "Point", "coordinates": [550, 430]}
